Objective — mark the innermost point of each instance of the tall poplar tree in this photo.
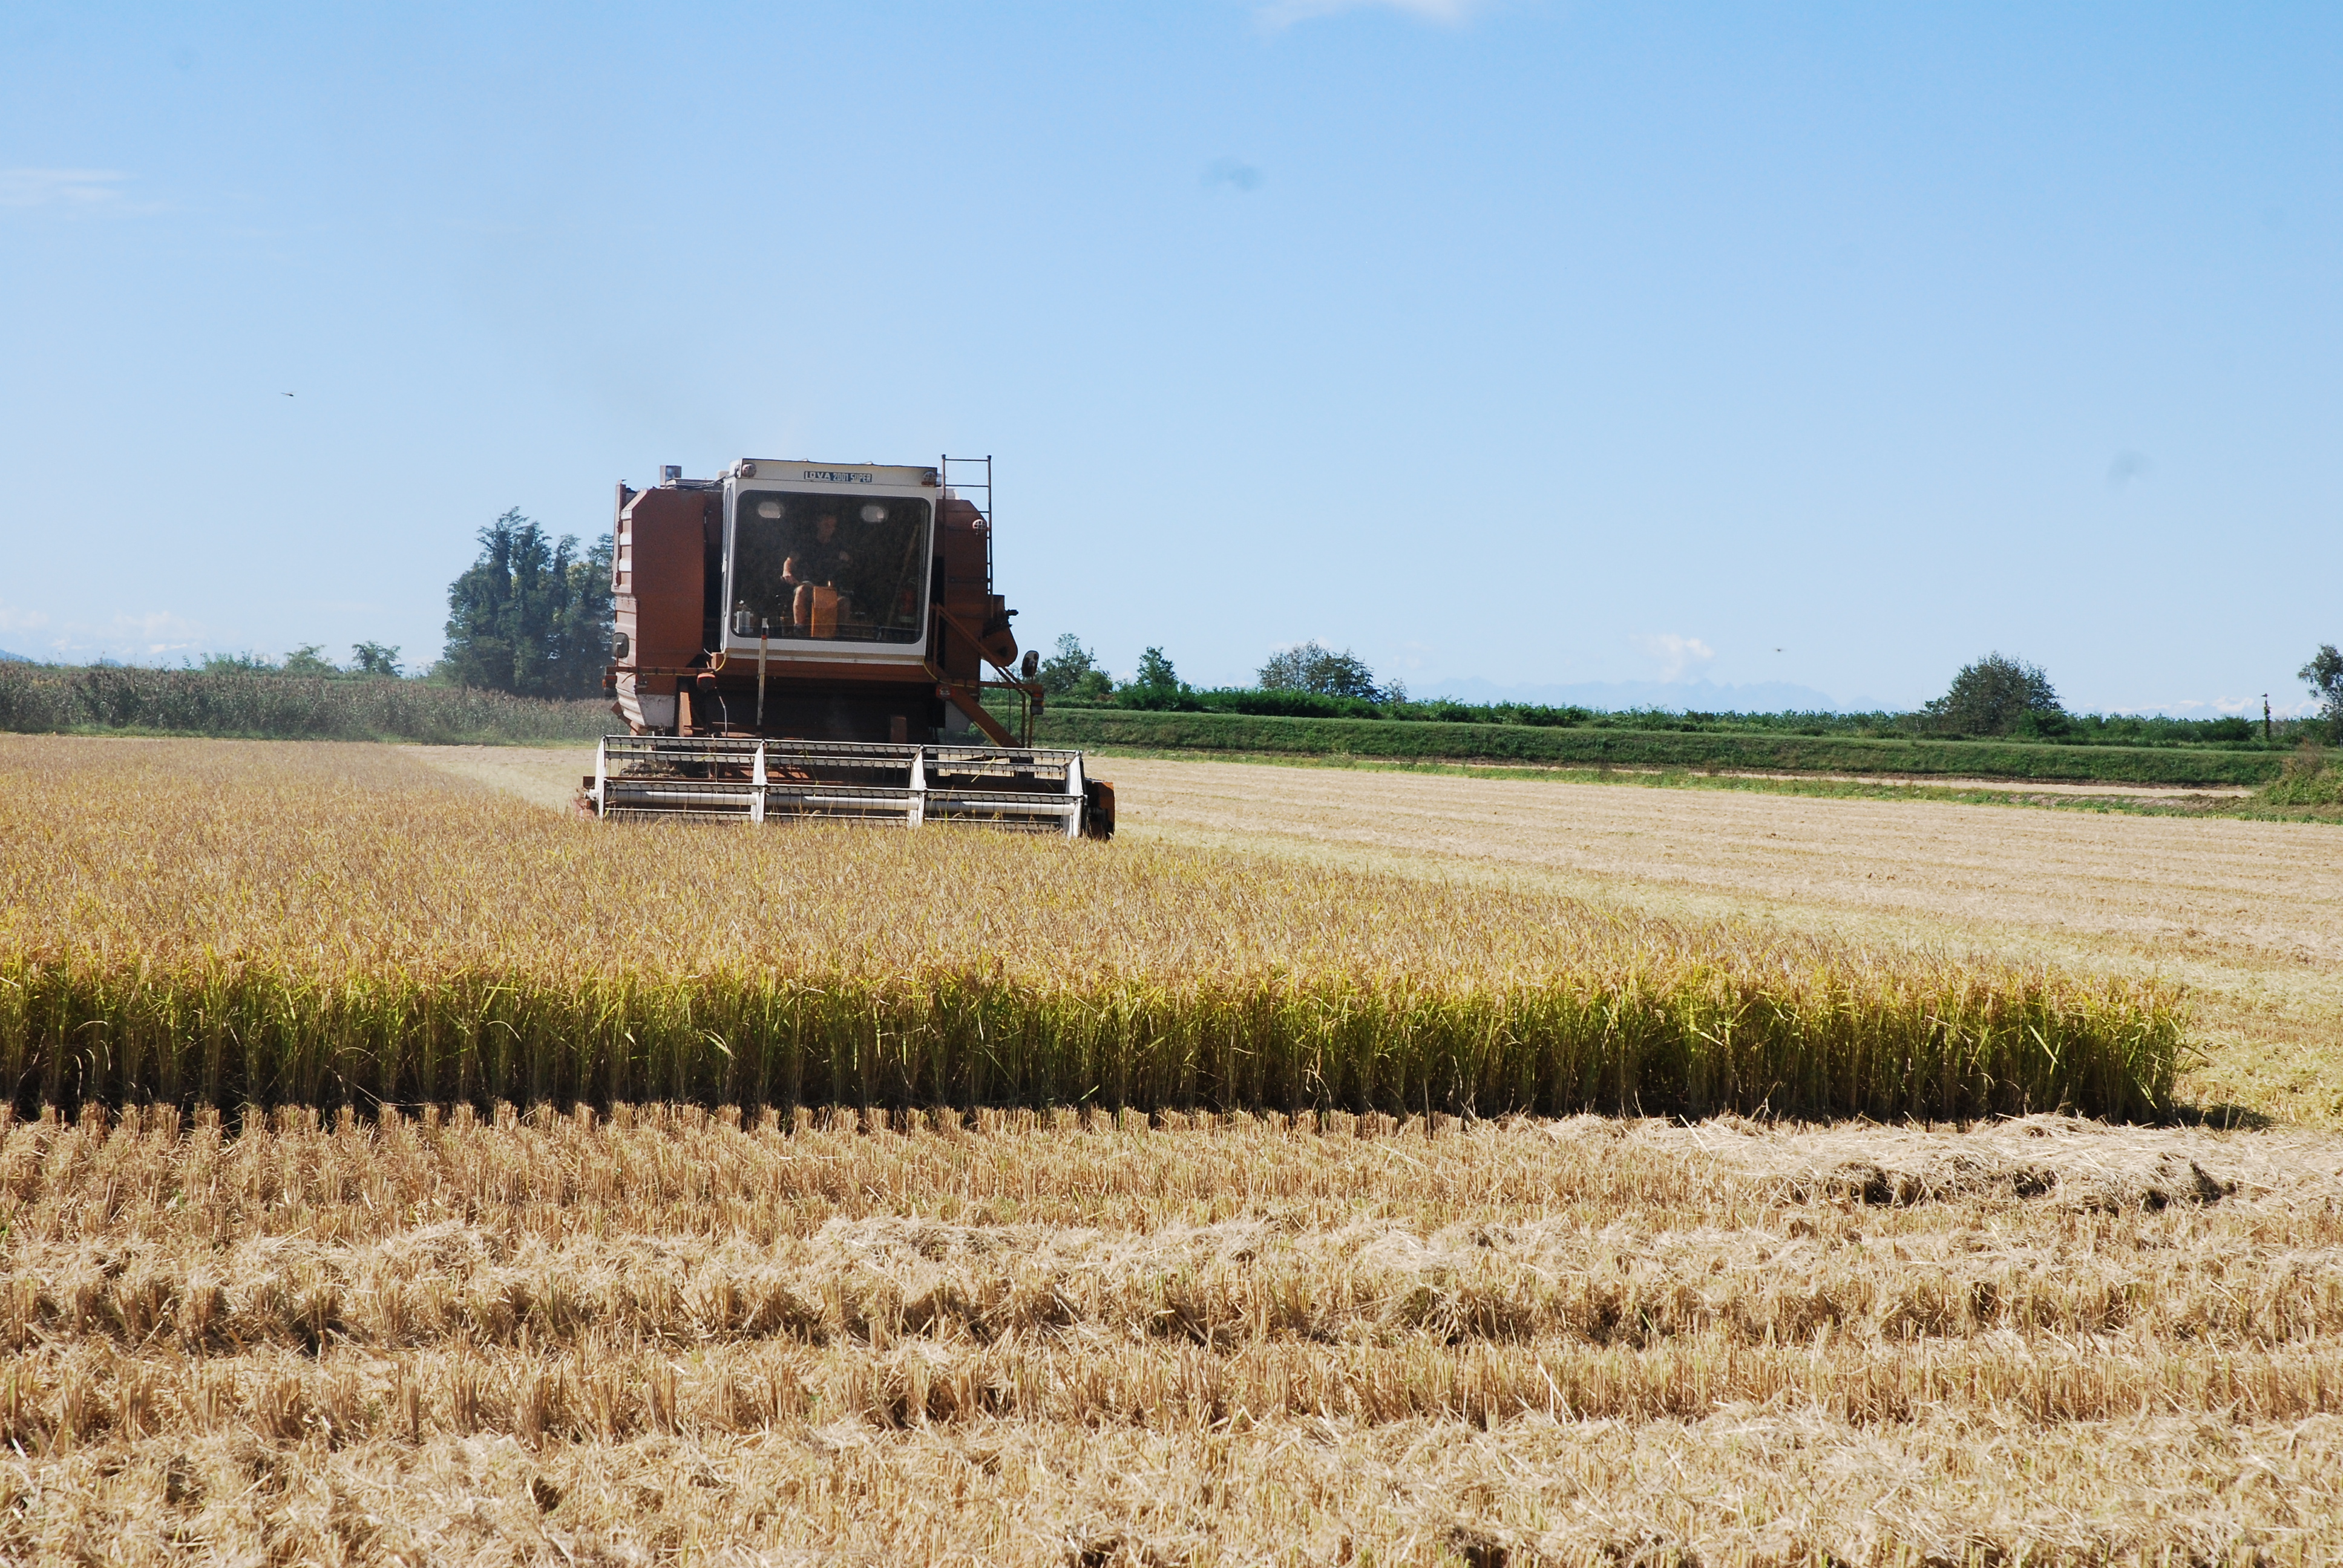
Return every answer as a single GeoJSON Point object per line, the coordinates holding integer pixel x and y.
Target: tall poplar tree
{"type": "Point", "coordinates": [531, 616]}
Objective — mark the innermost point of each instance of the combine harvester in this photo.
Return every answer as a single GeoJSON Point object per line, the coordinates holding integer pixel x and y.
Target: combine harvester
{"type": "Point", "coordinates": [809, 640]}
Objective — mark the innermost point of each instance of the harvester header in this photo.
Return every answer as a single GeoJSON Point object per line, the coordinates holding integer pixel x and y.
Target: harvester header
{"type": "Point", "coordinates": [801, 639]}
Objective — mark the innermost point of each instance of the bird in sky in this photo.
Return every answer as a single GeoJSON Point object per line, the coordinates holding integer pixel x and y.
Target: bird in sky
{"type": "Point", "coordinates": [289, 393]}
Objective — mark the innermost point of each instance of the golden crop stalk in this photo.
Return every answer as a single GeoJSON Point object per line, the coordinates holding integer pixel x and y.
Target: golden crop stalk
{"type": "Point", "coordinates": [224, 922]}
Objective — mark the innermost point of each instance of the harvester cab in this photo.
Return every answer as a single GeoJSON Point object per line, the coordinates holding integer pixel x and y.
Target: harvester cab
{"type": "Point", "coordinates": [801, 639]}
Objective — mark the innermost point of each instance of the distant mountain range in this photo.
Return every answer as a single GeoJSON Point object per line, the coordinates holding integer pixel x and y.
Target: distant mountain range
{"type": "Point", "coordinates": [7, 657]}
{"type": "Point", "coordinates": [1674, 696]}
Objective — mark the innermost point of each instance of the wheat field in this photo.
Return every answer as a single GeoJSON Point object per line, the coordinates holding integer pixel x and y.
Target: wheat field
{"type": "Point", "coordinates": [1066, 1338]}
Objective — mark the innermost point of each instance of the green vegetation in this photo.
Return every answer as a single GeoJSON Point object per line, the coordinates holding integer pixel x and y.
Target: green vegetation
{"type": "Point", "coordinates": [369, 662]}
{"type": "Point", "coordinates": [1072, 673]}
{"type": "Point", "coordinates": [2324, 675]}
{"type": "Point", "coordinates": [2077, 730]}
{"type": "Point", "coordinates": [248, 699]}
{"type": "Point", "coordinates": [2310, 784]}
{"type": "Point", "coordinates": [1756, 748]}
{"type": "Point", "coordinates": [528, 635]}
{"type": "Point", "coordinates": [1996, 696]}
{"type": "Point", "coordinates": [531, 617]}
{"type": "Point", "coordinates": [1313, 666]}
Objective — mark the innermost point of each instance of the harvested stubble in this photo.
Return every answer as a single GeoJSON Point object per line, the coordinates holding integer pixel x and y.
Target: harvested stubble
{"type": "Point", "coordinates": [220, 923]}
{"type": "Point", "coordinates": [1045, 1338]}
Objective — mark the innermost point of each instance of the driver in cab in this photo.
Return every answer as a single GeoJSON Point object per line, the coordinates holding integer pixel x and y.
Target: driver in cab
{"type": "Point", "coordinates": [818, 562]}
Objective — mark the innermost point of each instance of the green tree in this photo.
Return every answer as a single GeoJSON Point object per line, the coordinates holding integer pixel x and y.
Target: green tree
{"type": "Point", "coordinates": [236, 664]}
{"type": "Point", "coordinates": [308, 659]}
{"type": "Point", "coordinates": [1156, 687]}
{"type": "Point", "coordinates": [1155, 672]}
{"type": "Point", "coordinates": [1996, 696]}
{"type": "Point", "coordinates": [531, 617]}
{"type": "Point", "coordinates": [1073, 672]}
{"type": "Point", "coordinates": [374, 661]}
{"type": "Point", "coordinates": [2325, 674]}
{"type": "Point", "coordinates": [1314, 667]}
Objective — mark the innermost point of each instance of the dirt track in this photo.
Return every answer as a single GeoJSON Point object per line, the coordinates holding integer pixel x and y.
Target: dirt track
{"type": "Point", "coordinates": [2249, 913]}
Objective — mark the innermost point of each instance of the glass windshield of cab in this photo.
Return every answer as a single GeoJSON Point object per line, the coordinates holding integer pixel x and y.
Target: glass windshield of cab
{"type": "Point", "coordinates": [829, 566]}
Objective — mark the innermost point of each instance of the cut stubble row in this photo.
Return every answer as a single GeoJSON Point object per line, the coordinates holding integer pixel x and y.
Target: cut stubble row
{"type": "Point", "coordinates": [490, 1339]}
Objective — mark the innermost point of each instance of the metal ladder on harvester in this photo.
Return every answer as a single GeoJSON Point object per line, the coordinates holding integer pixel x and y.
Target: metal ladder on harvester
{"type": "Point", "coordinates": [967, 488]}
{"type": "Point", "coordinates": [959, 489]}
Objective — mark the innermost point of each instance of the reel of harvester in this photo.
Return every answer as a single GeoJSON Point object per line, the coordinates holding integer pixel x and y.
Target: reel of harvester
{"type": "Point", "coordinates": [739, 779]}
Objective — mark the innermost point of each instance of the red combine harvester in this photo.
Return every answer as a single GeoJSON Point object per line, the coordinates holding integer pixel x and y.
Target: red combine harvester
{"type": "Point", "coordinates": [811, 640]}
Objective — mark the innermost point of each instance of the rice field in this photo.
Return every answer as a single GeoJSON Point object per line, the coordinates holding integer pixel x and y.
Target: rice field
{"type": "Point", "coordinates": [401, 1171]}
{"type": "Point", "coordinates": [1019, 1337]}
{"type": "Point", "coordinates": [2247, 915]}
{"type": "Point", "coordinates": [224, 923]}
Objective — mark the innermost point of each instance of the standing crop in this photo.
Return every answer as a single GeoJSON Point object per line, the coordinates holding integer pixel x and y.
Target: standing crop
{"type": "Point", "coordinates": [225, 923]}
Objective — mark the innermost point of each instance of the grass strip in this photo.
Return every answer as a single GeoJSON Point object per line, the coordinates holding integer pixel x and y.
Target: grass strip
{"type": "Point", "coordinates": [1430, 741]}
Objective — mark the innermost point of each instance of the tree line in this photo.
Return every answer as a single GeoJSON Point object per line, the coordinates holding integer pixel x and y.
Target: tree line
{"type": "Point", "coordinates": [1996, 696]}
{"type": "Point", "coordinates": [533, 616]}
{"type": "Point", "coordinates": [1073, 672]}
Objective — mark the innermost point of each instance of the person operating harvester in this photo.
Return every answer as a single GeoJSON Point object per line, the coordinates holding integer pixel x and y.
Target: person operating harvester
{"type": "Point", "coordinates": [819, 562]}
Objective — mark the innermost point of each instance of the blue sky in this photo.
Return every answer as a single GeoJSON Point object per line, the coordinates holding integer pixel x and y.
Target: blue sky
{"type": "Point", "coordinates": [1519, 342]}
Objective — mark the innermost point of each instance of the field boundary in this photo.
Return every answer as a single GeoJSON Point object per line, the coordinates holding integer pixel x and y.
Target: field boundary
{"type": "Point", "coordinates": [1431, 741]}
{"type": "Point", "coordinates": [132, 701]}
{"type": "Point", "coordinates": [2152, 800]}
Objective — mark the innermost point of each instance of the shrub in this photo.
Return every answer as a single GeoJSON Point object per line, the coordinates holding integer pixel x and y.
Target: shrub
{"type": "Point", "coordinates": [1997, 696]}
{"type": "Point", "coordinates": [2309, 778]}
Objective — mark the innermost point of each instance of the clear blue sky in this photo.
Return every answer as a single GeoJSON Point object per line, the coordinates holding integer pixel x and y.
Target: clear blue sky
{"type": "Point", "coordinates": [1532, 342]}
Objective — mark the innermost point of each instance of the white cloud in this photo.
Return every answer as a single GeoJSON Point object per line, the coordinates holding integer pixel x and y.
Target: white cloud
{"type": "Point", "coordinates": [153, 624]}
{"type": "Point", "coordinates": [1677, 654]}
{"type": "Point", "coordinates": [1447, 12]}
{"type": "Point", "coordinates": [74, 190]}
{"type": "Point", "coordinates": [146, 636]}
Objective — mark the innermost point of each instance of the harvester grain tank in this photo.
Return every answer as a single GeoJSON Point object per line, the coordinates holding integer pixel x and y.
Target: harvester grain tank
{"type": "Point", "coordinates": [801, 639]}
